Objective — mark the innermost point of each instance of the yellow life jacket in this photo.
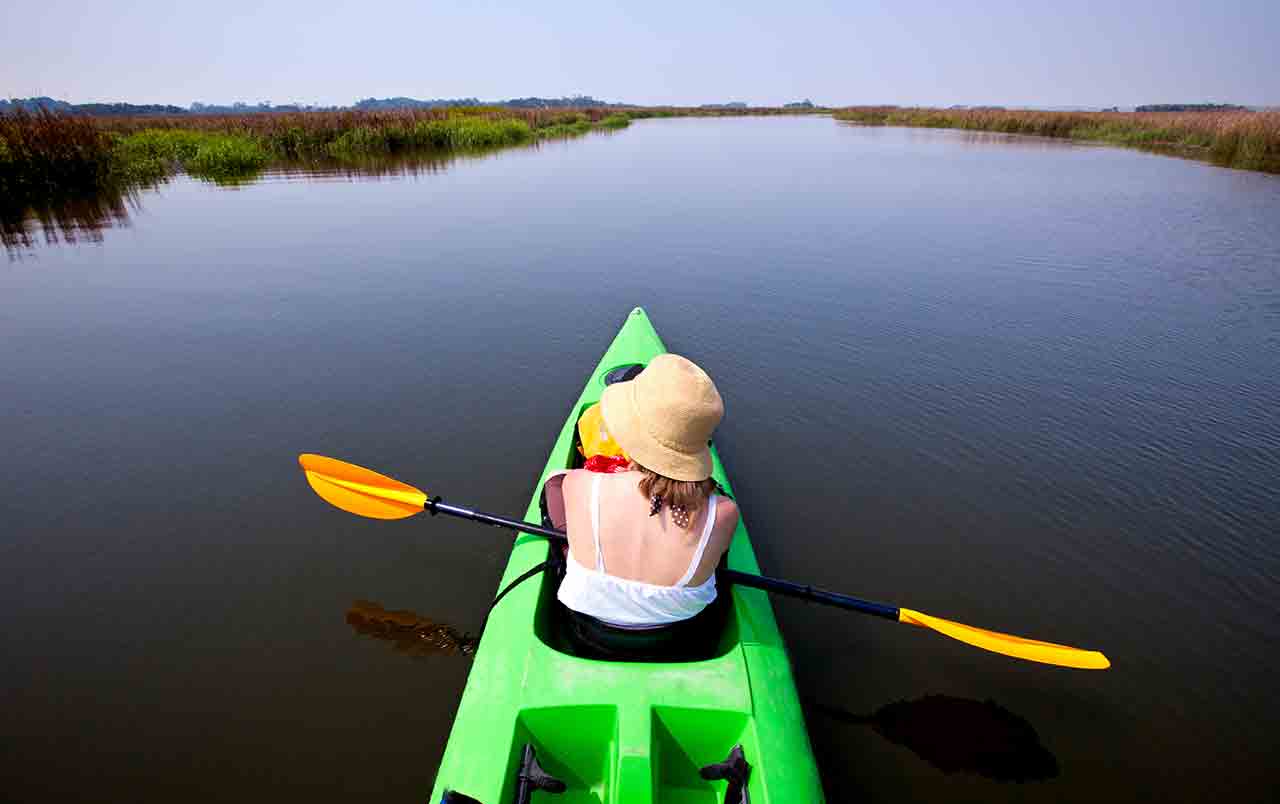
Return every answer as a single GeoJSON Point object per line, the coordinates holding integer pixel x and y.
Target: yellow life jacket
{"type": "Point", "coordinates": [595, 438]}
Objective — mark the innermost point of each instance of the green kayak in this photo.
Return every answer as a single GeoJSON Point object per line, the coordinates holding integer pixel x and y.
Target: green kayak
{"type": "Point", "coordinates": [624, 732]}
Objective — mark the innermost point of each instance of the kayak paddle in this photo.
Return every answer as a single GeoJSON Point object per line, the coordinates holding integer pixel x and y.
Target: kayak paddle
{"type": "Point", "coordinates": [367, 493]}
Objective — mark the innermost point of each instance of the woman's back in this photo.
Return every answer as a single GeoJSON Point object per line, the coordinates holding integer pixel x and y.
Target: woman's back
{"type": "Point", "coordinates": [645, 564]}
{"type": "Point", "coordinates": [644, 544]}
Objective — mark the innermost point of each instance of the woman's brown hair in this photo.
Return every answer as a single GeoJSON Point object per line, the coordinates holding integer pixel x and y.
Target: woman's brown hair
{"type": "Point", "coordinates": [687, 494]}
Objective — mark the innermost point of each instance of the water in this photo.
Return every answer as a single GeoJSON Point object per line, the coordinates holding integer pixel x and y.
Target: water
{"type": "Point", "coordinates": [1023, 384]}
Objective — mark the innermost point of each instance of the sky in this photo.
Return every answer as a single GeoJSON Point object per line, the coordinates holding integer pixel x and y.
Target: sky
{"type": "Point", "coordinates": [910, 52]}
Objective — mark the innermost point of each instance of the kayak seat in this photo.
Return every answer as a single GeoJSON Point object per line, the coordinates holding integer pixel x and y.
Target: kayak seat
{"type": "Point", "coordinates": [691, 640]}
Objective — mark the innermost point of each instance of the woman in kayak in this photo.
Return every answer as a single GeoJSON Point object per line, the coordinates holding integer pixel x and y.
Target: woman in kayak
{"type": "Point", "coordinates": [644, 543]}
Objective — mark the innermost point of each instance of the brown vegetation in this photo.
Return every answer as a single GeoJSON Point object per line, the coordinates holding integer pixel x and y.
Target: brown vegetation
{"type": "Point", "coordinates": [1239, 139]}
{"type": "Point", "coordinates": [45, 152]}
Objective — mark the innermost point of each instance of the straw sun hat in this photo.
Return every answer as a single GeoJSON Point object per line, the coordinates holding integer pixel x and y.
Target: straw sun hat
{"type": "Point", "coordinates": [664, 418]}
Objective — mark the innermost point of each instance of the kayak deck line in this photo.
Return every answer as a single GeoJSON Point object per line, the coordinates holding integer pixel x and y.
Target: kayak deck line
{"type": "Point", "coordinates": [626, 732]}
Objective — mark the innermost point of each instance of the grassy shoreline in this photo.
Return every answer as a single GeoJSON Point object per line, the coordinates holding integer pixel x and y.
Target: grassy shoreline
{"type": "Point", "coordinates": [1243, 140]}
{"type": "Point", "coordinates": [46, 156]}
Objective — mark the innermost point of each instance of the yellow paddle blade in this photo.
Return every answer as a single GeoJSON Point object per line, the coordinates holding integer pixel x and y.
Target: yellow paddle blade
{"type": "Point", "coordinates": [361, 491]}
{"type": "Point", "coordinates": [1009, 645]}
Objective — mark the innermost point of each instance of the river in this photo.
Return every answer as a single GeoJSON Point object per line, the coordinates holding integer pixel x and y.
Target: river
{"type": "Point", "coordinates": [1025, 384]}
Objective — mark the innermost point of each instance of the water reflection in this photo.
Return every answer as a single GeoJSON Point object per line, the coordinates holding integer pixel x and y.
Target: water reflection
{"type": "Point", "coordinates": [965, 137]}
{"type": "Point", "coordinates": [366, 166]}
{"type": "Point", "coordinates": [952, 734]}
{"type": "Point", "coordinates": [80, 219]}
{"type": "Point", "coordinates": [959, 734]}
{"type": "Point", "coordinates": [409, 633]}
{"type": "Point", "coordinates": [84, 218]}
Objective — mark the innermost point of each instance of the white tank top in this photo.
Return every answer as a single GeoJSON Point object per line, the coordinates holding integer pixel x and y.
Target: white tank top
{"type": "Point", "coordinates": [635, 604]}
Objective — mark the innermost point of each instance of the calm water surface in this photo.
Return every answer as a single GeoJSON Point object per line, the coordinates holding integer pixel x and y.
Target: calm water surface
{"type": "Point", "coordinates": [1024, 384]}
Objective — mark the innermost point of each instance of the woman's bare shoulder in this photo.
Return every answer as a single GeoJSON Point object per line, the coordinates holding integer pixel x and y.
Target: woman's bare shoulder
{"type": "Point", "coordinates": [726, 517]}
{"type": "Point", "coordinates": [573, 480]}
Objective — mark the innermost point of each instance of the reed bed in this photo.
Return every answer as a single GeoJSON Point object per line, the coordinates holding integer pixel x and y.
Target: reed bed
{"type": "Point", "coordinates": [46, 155]}
{"type": "Point", "coordinates": [43, 153]}
{"type": "Point", "coordinates": [1238, 139]}
{"type": "Point", "coordinates": [150, 155]}
{"type": "Point", "coordinates": [308, 134]}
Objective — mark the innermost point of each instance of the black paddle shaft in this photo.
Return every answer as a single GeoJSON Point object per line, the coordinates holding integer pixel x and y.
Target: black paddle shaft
{"type": "Point", "coordinates": [805, 592]}
{"type": "Point", "coordinates": [775, 585]}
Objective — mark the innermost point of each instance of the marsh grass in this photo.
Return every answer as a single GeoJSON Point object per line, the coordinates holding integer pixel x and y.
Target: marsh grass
{"type": "Point", "coordinates": [227, 158]}
{"type": "Point", "coordinates": [1246, 140]}
{"type": "Point", "coordinates": [54, 154]}
{"type": "Point", "coordinates": [309, 134]}
{"type": "Point", "coordinates": [571, 125]}
{"type": "Point", "coordinates": [465, 133]}
{"type": "Point", "coordinates": [44, 152]}
{"type": "Point", "coordinates": [151, 155]}
{"type": "Point", "coordinates": [47, 154]}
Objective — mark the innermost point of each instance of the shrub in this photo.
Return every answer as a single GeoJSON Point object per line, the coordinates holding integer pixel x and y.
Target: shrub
{"type": "Point", "coordinates": [227, 157]}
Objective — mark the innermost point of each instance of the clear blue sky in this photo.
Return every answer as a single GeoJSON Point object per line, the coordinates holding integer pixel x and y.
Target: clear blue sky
{"type": "Point", "coordinates": [910, 52]}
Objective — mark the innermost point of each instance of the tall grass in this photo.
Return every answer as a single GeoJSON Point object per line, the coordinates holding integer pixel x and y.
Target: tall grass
{"type": "Point", "coordinates": [152, 154]}
{"type": "Point", "coordinates": [310, 134]}
{"type": "Point", "coordinates": [227, 158]}
{"type": "Point", "coordinates": [44, 152]}
{"type": "Point", "coordinates": [616, 121]}
{"type": "Point", "coordinates": [59, 154]}
{"type": "Point", "coordinates": [47, 154]}
{"type": "Point", "coordinates": [461, 133]}
{"type": "Point", "coordinates": [1241, 139]}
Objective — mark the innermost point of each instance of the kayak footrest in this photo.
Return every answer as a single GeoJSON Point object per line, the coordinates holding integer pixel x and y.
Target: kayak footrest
{"type": "Point", "coordinates": [737, 771]}
{"type": "Point", "coordinates": [532, 777]}
{"type": "Point", "coordinates": [529, 778]}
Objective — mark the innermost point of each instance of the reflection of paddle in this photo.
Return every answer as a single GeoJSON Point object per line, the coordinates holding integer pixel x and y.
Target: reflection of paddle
{"type": "Point", "coordinates": [959, 734]}
{"type": "Point", "coordinates": [410, 633]}
{"type": "Point", "coordinates": [364, 492]}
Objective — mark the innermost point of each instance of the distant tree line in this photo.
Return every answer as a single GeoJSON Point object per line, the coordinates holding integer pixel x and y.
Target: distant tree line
{"type": "Point", "coordinates": [375, 104]}
{"type": "Point", "coordinates": [34, 105]}
{"type": "Point", "coordinates": [1191, 107]}
{"type": "Point", "coordinates": [570, 102]}
{"type": "Point", "coordinates": [367, 104]}
{"type": "Point", "coordinates": [239, 107]}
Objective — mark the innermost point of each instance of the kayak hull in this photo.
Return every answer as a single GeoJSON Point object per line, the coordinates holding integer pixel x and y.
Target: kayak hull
{"type": "Point", "coordinates": [625, 732]}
